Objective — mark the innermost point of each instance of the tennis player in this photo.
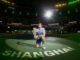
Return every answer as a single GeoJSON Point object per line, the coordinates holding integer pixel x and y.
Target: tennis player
{"type": "Point", "coordinates": [39, 35]}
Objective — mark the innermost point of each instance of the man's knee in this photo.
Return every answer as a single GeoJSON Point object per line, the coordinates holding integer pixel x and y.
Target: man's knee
{"type": "Point", "coordinates": [43, 38]}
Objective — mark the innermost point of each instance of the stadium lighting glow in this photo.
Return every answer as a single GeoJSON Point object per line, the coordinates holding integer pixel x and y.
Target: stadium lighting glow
{"type": "Point", "coordinates": [48, 14]}
{"type": "Point", "coordinates": [73, 2]}
{"type": "Point", "coordinates": [8, 2]}
{"type": "Point", "coordinates": [60, 5]}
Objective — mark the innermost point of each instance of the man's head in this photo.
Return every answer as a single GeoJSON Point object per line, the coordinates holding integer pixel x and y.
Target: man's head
{"type": "Point", "coordinates": [39, 25]}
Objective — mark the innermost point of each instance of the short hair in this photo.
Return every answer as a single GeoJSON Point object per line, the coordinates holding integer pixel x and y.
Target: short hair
{"type": "Point", "coordinates": [40, 23]}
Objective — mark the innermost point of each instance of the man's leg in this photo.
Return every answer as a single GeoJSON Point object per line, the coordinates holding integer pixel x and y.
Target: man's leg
{"type": "Point", "coordinates": [38, 43]}
{"type": "Point", "coordinates": [37, 46]}
{"type": "Point", "coordinates": [43, 39]}
{"type": "Point", "coordinates": [43, 42]}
